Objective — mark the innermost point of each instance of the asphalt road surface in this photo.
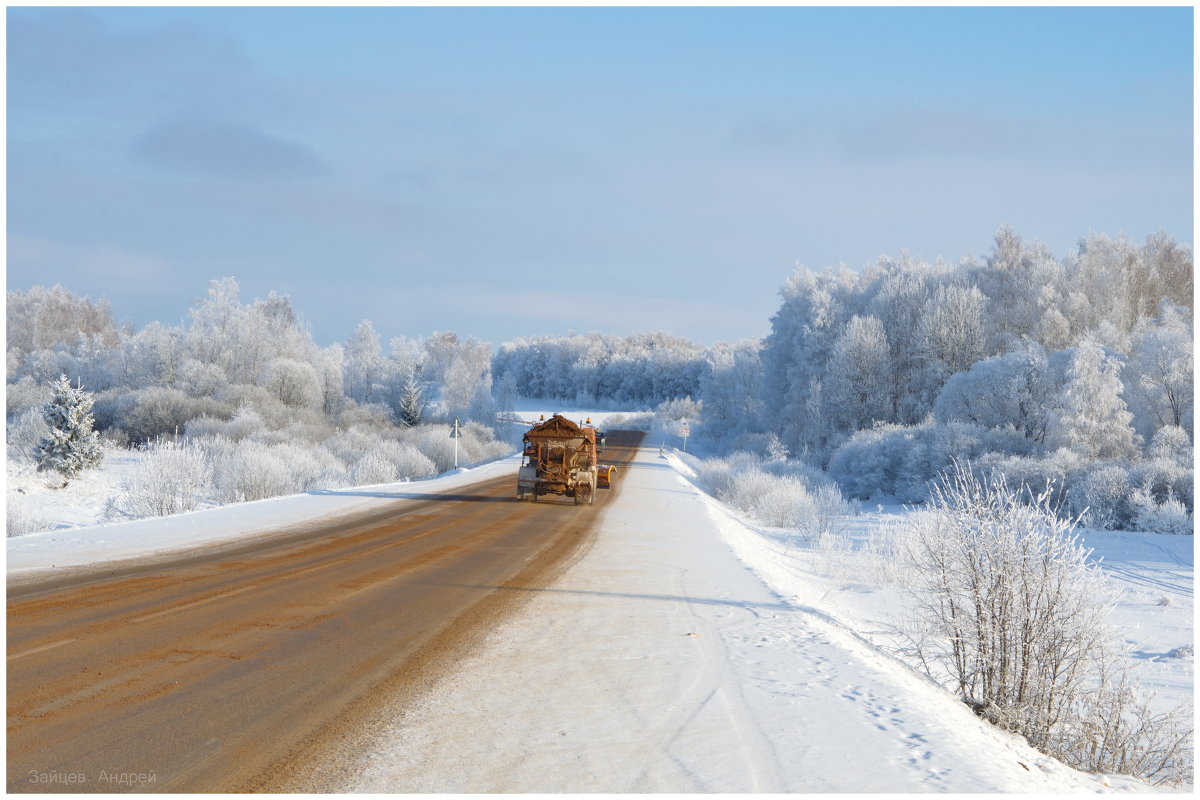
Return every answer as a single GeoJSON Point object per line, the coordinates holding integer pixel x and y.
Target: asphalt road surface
{"type": "Point", "coordinates": [221, 670]}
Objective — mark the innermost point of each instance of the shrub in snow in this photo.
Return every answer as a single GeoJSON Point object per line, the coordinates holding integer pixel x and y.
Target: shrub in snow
{"type": "Point", "coordinates": [776, 449]}
{"type": "Point", "coordinates": [1163, 478]}
{"type": "Point", "coordinates": [25, 432]}
{"type": "Point", "coordinates": [350, 445]}
{"type": "Point", "coordinates": [830, 510]}
{"type": "Point", "coordinates": [1114, 730]}
{"type": "Point", "coordinates": [199, 379]}
{"type": "Point", "coordinates": [1012, 612]}
{"type": "Point", "coordinates": [301, 433]}
{"type": "Point", "coordinates": [204, 426]}
{"type": "Point", "coordinates": [24, 394]}
{"type": "Point", "coordinates": [372, 468]}
{"type": "Point", "coordinates": [779, 502]}
{"type": "Point", "coordinates": [253, 471]}
{"type": "Point", "coordinates": [482, 444]}
{"type": "Point", "coordinates": [171, 479]}
{"type": "Point", "coordinates": [148, 413]}
{"type": "Point", "coordinates": [1101, 497]}
{"type": "Point", "coordinates": [375, 416]}
{"type": "Point", "coordinates": [435, 443]}
{"type": "Point", "coordinates": [21, 518]}
{"type": "Point", "coordinates": [781, 494]}
{"type": "Point", "coordinates": [1172, 443]}
{"type": "Point", "coordinates": [1169, 517]}
{"type": "Point", "coordinates": [1050, 474]}
{"type": "Point", "coordinates": [1009, 614]}
{"type": "Point", "coordinates": [639, 421]}
{"type": "Point", "coordinates": [294, 383]}
{"type": "Point", "coordinates": [306, 464]}
{"type": "Point", "coordinates": [1013, 390]}
{"type": "Point", "coordinates": [408, 461]}
{"type": "Point", "coordinates": [873, 462]}
{"type": "Point", "coordinates": [245, 423]}
{"type": "Point", "coordinates": [71, 444]}
{"type": "Point", "coordinates": [477, 443]}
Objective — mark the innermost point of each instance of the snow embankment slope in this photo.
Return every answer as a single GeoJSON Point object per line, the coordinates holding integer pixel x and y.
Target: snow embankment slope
{"type": "Point", "coordinates": [660, 663]}
{"type": "Point", "coordinates": [38, 554]}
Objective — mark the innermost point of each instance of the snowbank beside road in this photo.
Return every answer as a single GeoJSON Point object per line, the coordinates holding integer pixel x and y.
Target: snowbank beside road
{"type": "Point", "coordinates": [660, 663]}
{"type": "Point", "coordinates": [44, 552]}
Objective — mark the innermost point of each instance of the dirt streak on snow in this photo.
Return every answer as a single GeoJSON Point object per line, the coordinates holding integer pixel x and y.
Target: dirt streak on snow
{"type": "Point", "coordinates": [661, 663]}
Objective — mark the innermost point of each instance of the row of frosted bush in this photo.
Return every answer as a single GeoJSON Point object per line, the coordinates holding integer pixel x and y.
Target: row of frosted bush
{"type": "Point", "coordinates": [1154, 494]}
{"type": "Point", "coordinates": [779, 493]}
{"type": "Point", "coordinates": [238, 461]}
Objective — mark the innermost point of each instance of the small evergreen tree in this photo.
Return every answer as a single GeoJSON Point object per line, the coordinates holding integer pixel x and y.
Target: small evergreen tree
{"type": "Point", "coordinates": [72, 445]}
{"type": "Point", "coordinates": [412, 399]}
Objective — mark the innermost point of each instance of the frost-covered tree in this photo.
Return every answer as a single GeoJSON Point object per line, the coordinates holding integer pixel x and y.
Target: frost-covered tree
{"type": "Point", "coordinates": [1091, 417]}
{"type": "Point", "coordinates": [1015, 389]}
{"type": "Point", "coordinates": [364, 364]}
{"type": "Point", "coordinates": [506, 393]}
{"type": "Point", "coordinates": [295, 383]}
{"type": "Point", "coordinates": [211, 334]}
{"type": "Point", "coordinates": [328, 362]}
{"type": "Point", "coordinates": [901, 307]}
{"type": "Point", "coordinates": [1161, 371]}
{"type": "Point", "coordinates": [796, 353]}
{"type": "Point", "coordinates": [951, 332]}
{"type": "Point", "coordinates": [467, 382]}
{"type": "Point", "coordinates": [72, 444]}
{"type": "Point", "coordinates": [48, 319]}
{"type": "Point", "coordinates": [730, 393]}
{"type": "Point", "coordinates": [1012, 280]}
{"type": "Point", "coordinates": [858, 380]}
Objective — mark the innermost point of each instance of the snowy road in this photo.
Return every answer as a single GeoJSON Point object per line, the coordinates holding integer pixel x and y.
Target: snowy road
{"type": "Point", "coordinates": [396, 655]}
{"type": "Point", "coordinates": [198, 674]}
{"type": "Point", "coordinates": [660, 663]}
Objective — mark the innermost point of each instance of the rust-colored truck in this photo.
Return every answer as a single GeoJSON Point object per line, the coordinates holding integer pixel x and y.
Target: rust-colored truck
{"type": "Point", "coordinates": [561, 458]}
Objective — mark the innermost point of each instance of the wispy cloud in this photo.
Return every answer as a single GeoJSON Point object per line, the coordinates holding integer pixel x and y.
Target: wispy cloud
{"type": "Point", "coordinates": [205, 147]}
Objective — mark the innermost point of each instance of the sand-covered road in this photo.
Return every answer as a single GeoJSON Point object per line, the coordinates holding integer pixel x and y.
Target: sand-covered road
{"type": "Point", "coordinates": [210, 672]}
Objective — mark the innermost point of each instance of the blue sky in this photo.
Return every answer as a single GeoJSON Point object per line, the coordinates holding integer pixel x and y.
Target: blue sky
{"type": "Point", "coordinates": [510, 172]}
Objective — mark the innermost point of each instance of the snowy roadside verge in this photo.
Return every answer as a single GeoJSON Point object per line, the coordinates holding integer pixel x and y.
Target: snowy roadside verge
{"type": "Point", "coordinates": [852, 582]}
{"type": "Point", "coordinates": [36, 554]}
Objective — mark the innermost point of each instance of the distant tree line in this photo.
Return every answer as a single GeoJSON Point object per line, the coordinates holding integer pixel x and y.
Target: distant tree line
{"type": "Point", "coordinates": [640, 370]}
